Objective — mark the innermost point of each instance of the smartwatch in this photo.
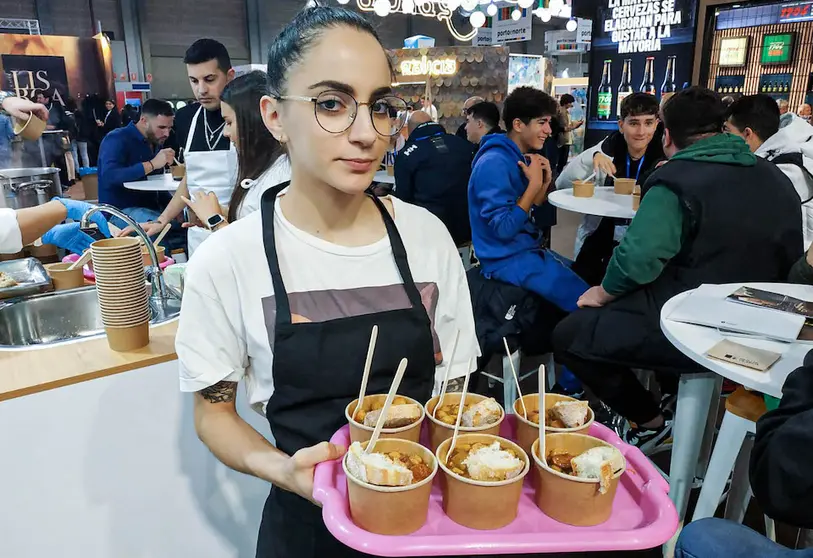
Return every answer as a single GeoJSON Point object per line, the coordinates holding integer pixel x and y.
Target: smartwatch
{"type": "Point", "coordinates": [213, 222]}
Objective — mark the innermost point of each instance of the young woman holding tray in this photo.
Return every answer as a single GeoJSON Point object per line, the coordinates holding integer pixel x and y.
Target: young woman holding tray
{"type": "Point", "coordinates": [296, 327]}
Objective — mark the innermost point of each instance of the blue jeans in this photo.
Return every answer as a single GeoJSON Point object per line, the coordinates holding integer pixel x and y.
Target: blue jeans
{"type": "Point", "coordinates": [719, 538]}
{"type": "Point", "coordinates": [175, 238]}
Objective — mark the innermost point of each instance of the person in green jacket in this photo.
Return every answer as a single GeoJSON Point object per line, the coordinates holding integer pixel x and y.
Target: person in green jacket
{"type": "Point", "coordinates": [713, 213]}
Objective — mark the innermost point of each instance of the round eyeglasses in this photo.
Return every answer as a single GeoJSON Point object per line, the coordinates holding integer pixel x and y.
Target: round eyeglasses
{"type": "Point", "coordinates": [335, 111]}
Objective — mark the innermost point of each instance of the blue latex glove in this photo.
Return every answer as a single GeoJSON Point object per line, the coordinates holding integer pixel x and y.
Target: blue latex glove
{"type": "Point", "coordinates": [76, 209]}
{"type": "Point", "coordinates": [68, 236]}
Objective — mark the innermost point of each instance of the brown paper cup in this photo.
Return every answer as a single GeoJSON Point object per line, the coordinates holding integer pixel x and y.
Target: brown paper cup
{"type": "Point", "coordinates": [478, 504]}
{"type": "Point", "coordinates": [568, 499]}
{"type": "Point", "coordinates": [528, 432]}
{"type": "Point", "coordinates": [391, 510]}
{"type": "Point", "coordinates": [390, 170]}
{"type": "Point", "coordinates": [178, 171]}
{"type": "Point", "coordinates": [583, 189]}
{"type": "Point", "coordinates": [624, 186]}
{"type": "Point", "coordinates": [30, 129]}
{"type": "Point", "coordinates": [362, 433]}
{"type": "Point", "coordinates": [636, 198]}
{"type": "Point", "coordinates": [128, 338]}
{"type": "Point", "coordinates": [64, 279]}
{"type": "Point", "coordinates": [110, 244]}
{"type": "Point", "coordinates": [145, 255]}
{"type": "Point", "coordinates": [440, 431]}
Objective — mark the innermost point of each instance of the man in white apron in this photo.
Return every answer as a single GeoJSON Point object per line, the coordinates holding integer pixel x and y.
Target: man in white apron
{"type": "Point", "coordinates": [210, 159]}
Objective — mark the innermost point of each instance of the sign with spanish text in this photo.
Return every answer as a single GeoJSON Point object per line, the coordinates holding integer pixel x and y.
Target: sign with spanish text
{"type": "Point", "coordinates": [637, 46]}
{"type": "Point", "coordinates": [776, 49]}
{"type": "Point", "coordinates": [733, 52]}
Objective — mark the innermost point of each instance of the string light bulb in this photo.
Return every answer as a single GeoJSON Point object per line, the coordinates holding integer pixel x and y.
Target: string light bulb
{"type": "Point", "coordinates": [382, 8]}
{"type": "Point", "coordinates": [556, 6]}
{"type": "Point", "coordinates": [544, 14]}
{"type": "Point", "coordinates": [516, 14]}
{"type": "Point", "coordinates": [492, 10]}
{"type": "Point", "coordinates": [477, 19]}
{"type": "Point", "coordinates": [525, 3]}
{"type": "Point", "coordinates": [344, 1]}
{"type": "Point", "coordinates": [408, 6]}
{"type": "Point", "coordinates": [571, 25]}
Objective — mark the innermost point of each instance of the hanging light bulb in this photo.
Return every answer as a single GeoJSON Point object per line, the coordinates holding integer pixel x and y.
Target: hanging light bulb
{"type": "Point", "coordinates": [544, 14]}
{"type": "Point", "coordinates": [571, 25]}
{"type": "Point", "coordinates": [343, 1]}
{"type": "Point", "coordinates": [452, 4]}
{"type": "Point", "coordinates": [382, 8]}
{"type": "Point", "coordinates": [477, 19]}
{"type": "Point", "coordinates": [492, 10]}
{"type": "Point", "coordinates": [469, 5]}
{"type": "Point", "coordinates": [408, 6]}
{"type": "Point", "coordinates": [525, 3]}
{"type": "Point", "coordinates": [516, 14]}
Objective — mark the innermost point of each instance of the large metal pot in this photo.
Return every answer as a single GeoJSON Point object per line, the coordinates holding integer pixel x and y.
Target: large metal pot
{"type": "Point", "coordinates": [29, 187]}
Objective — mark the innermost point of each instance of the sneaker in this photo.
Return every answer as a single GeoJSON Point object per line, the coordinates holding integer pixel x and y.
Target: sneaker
{"type": "Point", "coordinates": [646, 439]}
{"type": "Point", "coordinates": [609, 418]}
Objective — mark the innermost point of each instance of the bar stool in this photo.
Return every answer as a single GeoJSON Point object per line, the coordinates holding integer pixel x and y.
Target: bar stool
{"type": "Point", "coordinates": [732, 452]}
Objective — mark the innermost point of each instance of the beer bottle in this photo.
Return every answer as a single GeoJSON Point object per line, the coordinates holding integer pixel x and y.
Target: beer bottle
{"type": "Point", "coordinates": [625, 89]}
{"type": "Point", "coordinates": [648, 85]}
{"type": "Point", "coordinates": [669, 87]}
{"type": "Point", "coordinates": [605, 92]}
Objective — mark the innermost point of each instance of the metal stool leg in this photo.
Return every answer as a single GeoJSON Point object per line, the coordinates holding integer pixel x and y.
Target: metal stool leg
{"type": "Point", "coordinates": [509, 388]}
{"type": "Point", "coordinates": [739, 495]}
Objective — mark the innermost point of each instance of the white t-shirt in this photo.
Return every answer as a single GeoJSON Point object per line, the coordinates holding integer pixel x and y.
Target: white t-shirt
{"type": "Point", "coordinates": [222, 333]}
{"type": "Point", "coordinates": [432, 111]}
{"type": "Point", "coordinates": [279, 172]}
{"type": "Point", "coordinates": [11, 237]}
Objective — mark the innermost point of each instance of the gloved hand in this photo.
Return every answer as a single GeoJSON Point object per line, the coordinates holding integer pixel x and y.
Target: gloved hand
{"type": "Point", "coordinates": [68, 236]}
{"type": "Point", "coordinates": [76, 209]}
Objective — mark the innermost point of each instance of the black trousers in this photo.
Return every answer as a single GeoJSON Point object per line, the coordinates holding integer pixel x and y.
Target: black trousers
{"type": "Point", "coordinates": [564, 153]}
{"type": "Point", "coordinates": [601, 346]}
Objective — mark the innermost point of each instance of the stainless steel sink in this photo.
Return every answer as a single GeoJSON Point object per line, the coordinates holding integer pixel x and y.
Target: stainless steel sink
{"type": "Point", "coordinates": [58, 317]}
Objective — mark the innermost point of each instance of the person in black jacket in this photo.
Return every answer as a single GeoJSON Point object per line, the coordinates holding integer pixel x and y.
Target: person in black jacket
{"type": "Point", "coordinates": [470, 102]}
{"type": "Point", "coordinates": [780, 479]}
{"type": "Point", "coordinates": [111, 120]}
{"type": "Point", "coordinates": [482, 119]}
{"type": "Point", "coordinates": [432, 171]}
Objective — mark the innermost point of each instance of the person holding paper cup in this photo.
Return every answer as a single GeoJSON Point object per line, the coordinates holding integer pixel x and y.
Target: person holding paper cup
{"type": "Point", "coordinates": [289, 294]}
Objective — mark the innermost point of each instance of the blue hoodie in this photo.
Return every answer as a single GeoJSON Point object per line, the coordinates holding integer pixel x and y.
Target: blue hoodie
{"type": "Point", "coordinates": [500, 229]}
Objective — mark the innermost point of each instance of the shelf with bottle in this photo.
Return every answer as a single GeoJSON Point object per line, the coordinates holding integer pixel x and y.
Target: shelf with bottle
{"type": "Point", "coordinates": [730, 86]}
{"type": "Point", "coordinates": [776, 85]}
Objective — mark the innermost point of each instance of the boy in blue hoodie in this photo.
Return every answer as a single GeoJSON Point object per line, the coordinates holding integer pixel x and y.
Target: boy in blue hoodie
{"type": "Point", "coordinates": [505, 184]}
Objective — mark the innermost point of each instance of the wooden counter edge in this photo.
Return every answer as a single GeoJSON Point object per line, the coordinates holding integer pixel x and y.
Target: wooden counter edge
{"type": "Point", "coordinates": [27, 372]}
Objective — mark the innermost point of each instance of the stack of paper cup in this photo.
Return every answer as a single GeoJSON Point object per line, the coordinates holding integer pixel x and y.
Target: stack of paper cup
{"type": "Point", "coordinates": [122, 292]}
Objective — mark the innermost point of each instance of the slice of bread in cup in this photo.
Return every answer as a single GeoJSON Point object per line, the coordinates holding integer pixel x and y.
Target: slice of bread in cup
{"type": "Point", "coordinates": [398, 415]}
{"type": "Point", "coordinates": [490, 463]}
{"type": "Point", "coordinates": [376, 468]}
{"type": "Point", "coordinates": [572, 413]}
{"type": "Point", "coordinates": [598, 463]}
{"type": "Point", "coordinates": [487, 411]}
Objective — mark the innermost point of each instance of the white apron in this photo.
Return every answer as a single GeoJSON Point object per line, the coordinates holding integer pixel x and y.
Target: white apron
{"type": "Point", "coordinates": [208, 171]}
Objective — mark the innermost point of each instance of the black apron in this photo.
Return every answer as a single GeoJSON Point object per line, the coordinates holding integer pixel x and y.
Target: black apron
{"type": "Point", "coordinates": [317, 372]}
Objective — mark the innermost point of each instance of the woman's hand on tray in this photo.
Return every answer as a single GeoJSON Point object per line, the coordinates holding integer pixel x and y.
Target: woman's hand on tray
{"type": "Point", "coordinates": [298, 470]}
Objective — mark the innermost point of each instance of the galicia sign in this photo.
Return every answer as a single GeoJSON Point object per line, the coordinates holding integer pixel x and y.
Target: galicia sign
{"type": "Point", "coordinates": [425, 67]}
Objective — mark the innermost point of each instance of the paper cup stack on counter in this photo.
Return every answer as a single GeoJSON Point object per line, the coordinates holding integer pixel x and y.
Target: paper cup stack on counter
{"type": "Point", "coordinates": [122, 292]}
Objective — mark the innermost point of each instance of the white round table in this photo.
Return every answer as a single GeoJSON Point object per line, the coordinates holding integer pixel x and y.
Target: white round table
{"type": "Point", "coordinates": [155, 183]}
{"type": "Point", "coordinates": [605, 203]}
{"type": "Point", "coordinates": [383, 178]}
{"type": "Point", "coordinates": [694, 341]}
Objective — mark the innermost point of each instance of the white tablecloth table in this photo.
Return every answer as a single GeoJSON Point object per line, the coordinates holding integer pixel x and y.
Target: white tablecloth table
{"type": "Point", "coordinates": [605, 203]}
{"type": "Point", "coordinates": [155, 183]}
{"type": "Point", "coordinates": [694, 341]}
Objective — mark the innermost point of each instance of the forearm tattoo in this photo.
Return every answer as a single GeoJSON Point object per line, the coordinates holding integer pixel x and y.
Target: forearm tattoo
{"type": "Point", "coordinates": [221, 392]}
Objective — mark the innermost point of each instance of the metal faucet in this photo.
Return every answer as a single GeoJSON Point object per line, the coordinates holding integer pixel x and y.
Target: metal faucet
{"type": "Point", "coordinates": [159, 289]}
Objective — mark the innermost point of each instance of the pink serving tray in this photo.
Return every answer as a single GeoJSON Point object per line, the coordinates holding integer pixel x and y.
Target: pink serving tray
{"type": "Point", "coordinates": [90, 276]}
{"type": "Point", "coordinates": [643, 515]}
